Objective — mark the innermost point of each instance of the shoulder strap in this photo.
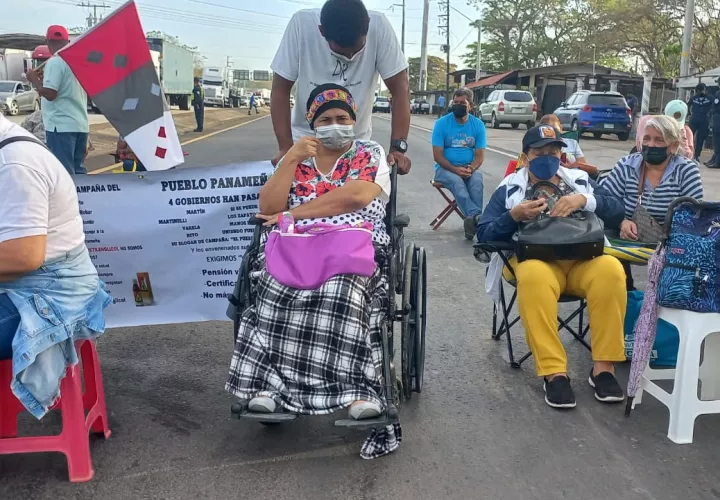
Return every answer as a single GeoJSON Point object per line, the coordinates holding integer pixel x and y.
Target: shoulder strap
{"type": "Point", "coordinates": [21, 138]}
{"type": "Point", "coordinates": [641, 182]}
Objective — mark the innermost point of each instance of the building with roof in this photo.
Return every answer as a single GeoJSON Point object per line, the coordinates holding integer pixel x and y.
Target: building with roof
{"type": "Point", "coordinates": [552, 85]}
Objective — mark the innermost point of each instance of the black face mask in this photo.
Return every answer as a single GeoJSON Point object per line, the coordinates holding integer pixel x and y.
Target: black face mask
{"type": "Point", "coordinates": [655, 155]}
{"type": "Point", "coordinates": [459, 110]}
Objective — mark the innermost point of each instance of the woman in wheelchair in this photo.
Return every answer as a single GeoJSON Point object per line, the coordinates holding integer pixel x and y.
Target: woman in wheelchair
{"type": "Point", "coordinates": [317, 351]}
{"type": "Point", "coordinates": [540, 284]}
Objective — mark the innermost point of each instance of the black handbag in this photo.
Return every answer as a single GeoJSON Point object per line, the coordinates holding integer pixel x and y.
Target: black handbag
{"type": "Point", "coordinates": [580, 236]}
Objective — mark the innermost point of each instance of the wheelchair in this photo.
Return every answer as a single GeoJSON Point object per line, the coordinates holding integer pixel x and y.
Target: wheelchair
{"type": "Point", "coordinates": [407, 305]}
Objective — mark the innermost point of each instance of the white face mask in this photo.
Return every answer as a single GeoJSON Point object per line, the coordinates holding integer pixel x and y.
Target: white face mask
{"type": "Point", "coordinates": [335, 136]}
{"type": "Point", "coordinates": [347, 59]}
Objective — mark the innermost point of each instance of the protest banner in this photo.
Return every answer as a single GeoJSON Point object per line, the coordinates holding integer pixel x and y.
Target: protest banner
{"type": "Point", "coordinates": [168, 244]}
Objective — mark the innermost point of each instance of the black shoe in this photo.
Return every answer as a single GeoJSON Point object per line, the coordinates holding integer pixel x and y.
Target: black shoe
{"type": "Point", "coordinates": [558, 392]}
{"type": "Point", "coordinates": [470, 226]}
{"type": "Point", "coordinates": [607, 388]}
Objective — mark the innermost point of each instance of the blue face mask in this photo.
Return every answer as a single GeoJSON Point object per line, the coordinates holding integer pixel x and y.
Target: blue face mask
{"type": "Point", "coordinates": [544, 167]}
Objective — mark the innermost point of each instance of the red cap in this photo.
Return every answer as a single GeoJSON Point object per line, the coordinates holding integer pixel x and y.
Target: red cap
{"type": "Point", "coordinates": [57, 32]}
{"type": "Point", "coordinates": [41, 52]}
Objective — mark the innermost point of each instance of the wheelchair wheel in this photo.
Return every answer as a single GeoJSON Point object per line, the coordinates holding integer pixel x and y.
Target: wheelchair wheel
{"type": "Point", "coordinates": [407, 335]}
{"type": "Point", "coordinates": [399, 258]}
{"type": "Point", "coordinates": [418, 315]}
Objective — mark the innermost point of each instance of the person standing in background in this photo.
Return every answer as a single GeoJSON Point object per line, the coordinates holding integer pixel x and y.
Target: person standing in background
{"type": "Point", "coordinates": [441, 104]}
{"type": "Point", "coordinates": [345, 44]}
{"type": "Point", "coordinates": [198, 101]}
{"type": "Point", "coordinates": [632, 103]}
{"type": "Point", "coordinates": [715, 160]}
{"type": "Point", "coordinates": [64, 105]}
{"type": "Point", "coordinates": [700, 118]}
{"type": "Point", "coordinates": [253, 104]}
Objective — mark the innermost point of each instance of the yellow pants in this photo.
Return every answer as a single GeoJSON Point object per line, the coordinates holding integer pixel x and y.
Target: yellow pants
{"type": "Point", "coordinates": [600, 281]}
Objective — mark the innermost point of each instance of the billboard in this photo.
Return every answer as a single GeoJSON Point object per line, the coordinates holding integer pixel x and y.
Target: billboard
{"type": "Point", "coordinates": [261, 76]}
{"type": "Point", "coordinates": [241, 74]}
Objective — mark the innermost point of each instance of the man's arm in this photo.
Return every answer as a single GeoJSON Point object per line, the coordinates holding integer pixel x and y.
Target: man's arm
{"type": "Point", "coordinates": [280, 112]}
{"type": "Point", "coordinates": [478, 160]}
{"type": "Point", "coordinates": [21, 256]}
{"type": "Point", "coordinates": [399, 87]}
{"type": "Point", "coordinates": [47, 82]}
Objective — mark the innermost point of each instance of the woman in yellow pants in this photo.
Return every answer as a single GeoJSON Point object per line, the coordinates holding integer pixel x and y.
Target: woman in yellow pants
{"type": "Point", "coordinates": [600, 281]}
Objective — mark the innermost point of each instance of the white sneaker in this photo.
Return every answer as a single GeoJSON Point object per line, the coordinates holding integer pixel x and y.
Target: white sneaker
{"type": "Point", "coordinates": [262, 404]}
{"type": "Point", "coordinates": [364, 410]}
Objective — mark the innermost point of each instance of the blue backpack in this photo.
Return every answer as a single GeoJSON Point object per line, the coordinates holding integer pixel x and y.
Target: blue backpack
{"type": "Point", "coordinates": [689, 279]}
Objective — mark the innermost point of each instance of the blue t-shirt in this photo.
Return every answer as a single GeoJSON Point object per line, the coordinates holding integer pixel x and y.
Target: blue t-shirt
{"type": "Point", "coordinates": [441, 101]}
{"type": "Point", "coordinates": [459, 140]}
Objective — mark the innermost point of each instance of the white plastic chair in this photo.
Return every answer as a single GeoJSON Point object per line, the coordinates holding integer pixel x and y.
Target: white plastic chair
{"type": "Point", "coordinates": [683, 402]}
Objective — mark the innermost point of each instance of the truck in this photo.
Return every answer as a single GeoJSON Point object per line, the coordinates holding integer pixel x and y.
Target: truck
{"type": "Point", "coordinates": [175, 68]}
{"type": "Point", "coordinates": [14, 64]}
{"type": "Point", "coordinates": [217, 87]}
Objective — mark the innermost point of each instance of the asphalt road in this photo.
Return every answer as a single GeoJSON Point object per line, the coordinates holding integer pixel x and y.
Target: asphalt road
{"type": "Point", "coordinates": [479, 430]}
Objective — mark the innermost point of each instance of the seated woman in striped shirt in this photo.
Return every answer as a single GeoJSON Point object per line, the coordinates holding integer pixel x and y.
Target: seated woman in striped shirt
{"type": "Point", "coordinates": [653, 177]}
{"type": "Point", "coordinates": [667, 175]}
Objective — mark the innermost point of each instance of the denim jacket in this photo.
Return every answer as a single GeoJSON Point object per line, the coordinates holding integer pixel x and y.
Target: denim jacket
{"type": "Point", "coordinates": [58, 304]}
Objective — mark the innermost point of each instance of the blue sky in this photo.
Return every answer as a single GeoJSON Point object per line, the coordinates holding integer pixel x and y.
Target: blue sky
{"type": "Point", "coordinates": [248, 31]}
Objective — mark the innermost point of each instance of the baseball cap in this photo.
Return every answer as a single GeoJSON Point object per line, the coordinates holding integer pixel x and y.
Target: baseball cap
{"type": "Point", "coordinates": [57, 32]}
{"type": "Point", "coordinates": [540, 136]}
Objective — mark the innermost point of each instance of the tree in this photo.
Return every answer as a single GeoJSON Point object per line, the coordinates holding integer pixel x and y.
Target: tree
{"type": "Point", "coordinates": [435, 72]}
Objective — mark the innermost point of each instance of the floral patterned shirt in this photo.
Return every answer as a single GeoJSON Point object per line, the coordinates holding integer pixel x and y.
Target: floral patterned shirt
{"type": "Point", "coordinates": [365, 161]}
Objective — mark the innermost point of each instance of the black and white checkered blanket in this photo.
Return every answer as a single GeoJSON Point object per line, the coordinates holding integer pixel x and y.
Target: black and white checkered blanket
{"type": "Point", "coordinates": [315, 351]}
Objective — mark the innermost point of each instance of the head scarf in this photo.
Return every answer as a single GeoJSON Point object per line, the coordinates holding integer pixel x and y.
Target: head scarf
{"type": "Point", "coordinates": [331, 96]}
{"type": "Point", "coordinates": [640, 133]}
{"type": "Point", "coordinates": [677, 106]}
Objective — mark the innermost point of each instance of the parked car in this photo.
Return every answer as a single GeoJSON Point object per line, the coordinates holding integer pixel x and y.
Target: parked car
{"type": "Point", "coordinates": [381, 104]}
{"type": "Point", "coordinates": [17, 96]}
{"type": "Point", "coordinates": [420, 107]}
{"type": "Point", "coordinates": [244, 100]}
{"type": "Point", "coordinates": [596, 112]}
{"type": "Point", "coordinates": [509, 106]}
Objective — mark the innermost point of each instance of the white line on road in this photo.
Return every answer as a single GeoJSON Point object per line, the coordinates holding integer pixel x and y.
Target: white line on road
{"type": "Point", "coordinates": [195, 139]}
{"type": "Point", "coordinates": [504, 153]}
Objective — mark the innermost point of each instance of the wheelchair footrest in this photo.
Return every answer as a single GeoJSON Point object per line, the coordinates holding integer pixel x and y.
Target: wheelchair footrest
{"type": "Point", "coordinates": [275, 418]}
{"type": "Point", "coordinates": [380, 421]}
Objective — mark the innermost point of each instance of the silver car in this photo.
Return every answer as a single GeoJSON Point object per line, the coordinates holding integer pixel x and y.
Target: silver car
{"type": "Point", "coordinates": [17, 96]}
{"type": "Point", "coordinates": [509, 106]}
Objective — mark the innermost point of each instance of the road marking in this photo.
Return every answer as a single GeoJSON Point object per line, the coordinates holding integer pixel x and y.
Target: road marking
{"type": "Point", "coordinates": [504, 153]}
{"type": "Point", "coordinates": [195, 139]}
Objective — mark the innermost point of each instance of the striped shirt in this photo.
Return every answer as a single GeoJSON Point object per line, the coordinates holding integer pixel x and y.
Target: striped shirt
{"type": "Point", "coordinates": [681, 178]}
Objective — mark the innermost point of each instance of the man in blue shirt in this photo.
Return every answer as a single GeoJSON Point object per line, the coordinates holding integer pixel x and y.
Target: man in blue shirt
{"type": "Point", "coordinates": [459, 140]}
{"type": "Point", "coordinates": [700, 106]}
{"type": "Point", "coordinates": [64, 105]}
{"type": "Point", "coordinates": [441, 104]}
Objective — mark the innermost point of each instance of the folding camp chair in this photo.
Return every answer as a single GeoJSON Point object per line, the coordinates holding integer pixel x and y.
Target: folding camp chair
{"type": "Point", "coordinates": [504, 308]}
{"type": "Point", "coordinates": [449, 209]}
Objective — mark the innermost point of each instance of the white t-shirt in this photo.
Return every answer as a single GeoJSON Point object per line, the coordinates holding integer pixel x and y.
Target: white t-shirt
{"type": "Point", "coordinates": [304, 57]}
{"type": "Point", "coordinates": [572, 150]}
{"type": "Point", "coordinates": [37, 195]}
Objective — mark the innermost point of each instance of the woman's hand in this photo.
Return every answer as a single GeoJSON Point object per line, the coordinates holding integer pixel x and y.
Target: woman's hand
{"type": "Point", "coordinates": [527, 210]}
{"type": "Point", "coordinates": [567, 205]}
{"type": "Point", "coordinates": [628, 230]}
{"type": "Point", "coordinates": [270, 220]}
{"type": "Point", "coordinates": [303, 149]}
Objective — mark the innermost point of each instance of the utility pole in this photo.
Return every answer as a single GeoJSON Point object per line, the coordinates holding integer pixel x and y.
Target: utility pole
{"type": "Point", "coordinates": [422, 84]}
{"type": "Point", "coordinates": [687, 43]}
{"type": "Point", "coordinates": [402, 40]}
{"type": "Point", "coordinates": [93, 19]}
{"type": "Point", "coordinates": [444, 27]}
{"type": "Point", "coordinates": [479, 50]}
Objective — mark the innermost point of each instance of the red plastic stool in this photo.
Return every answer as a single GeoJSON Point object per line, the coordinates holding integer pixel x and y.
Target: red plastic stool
{"type": "Point", "coordinates": [73, 441]}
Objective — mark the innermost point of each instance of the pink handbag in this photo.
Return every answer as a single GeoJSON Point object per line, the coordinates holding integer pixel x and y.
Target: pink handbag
{"type": "Point", "coordinates": [306, 257]}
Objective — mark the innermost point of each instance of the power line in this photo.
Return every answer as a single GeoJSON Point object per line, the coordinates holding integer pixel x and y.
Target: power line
{"type": "Point", "coordinates": [239, 9]}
